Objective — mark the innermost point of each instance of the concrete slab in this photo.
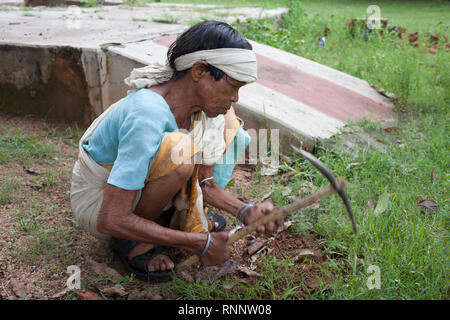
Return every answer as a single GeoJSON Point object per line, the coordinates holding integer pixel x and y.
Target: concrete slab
{"type": "Point", "coordinates": [303, 97]}
{"type": "Point", "coordinates": [102, 45]}
{"type": "Point", "coordinates": [296, 95]}
{"type": "Point", "coordinates": [81, 27]}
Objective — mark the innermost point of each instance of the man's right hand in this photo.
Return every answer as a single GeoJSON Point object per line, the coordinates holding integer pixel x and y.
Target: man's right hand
{"type": "Point", "coordinates": [218, 251]}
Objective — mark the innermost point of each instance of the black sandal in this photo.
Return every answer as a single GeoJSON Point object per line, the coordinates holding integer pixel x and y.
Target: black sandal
{"type": "Point", "coordinates": [138, 265]}
{"type": "Point", "coordinates": [221, 222]}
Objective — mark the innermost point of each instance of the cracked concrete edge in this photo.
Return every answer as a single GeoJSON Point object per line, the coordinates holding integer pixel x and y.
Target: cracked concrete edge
{"type": "Point", "coordinates": [106, 66]}
{"type": "Point", "coordinates": [94, 66]}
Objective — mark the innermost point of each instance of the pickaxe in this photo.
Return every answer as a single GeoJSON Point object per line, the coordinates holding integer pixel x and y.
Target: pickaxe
{"type": "Point", "coordinates": [337, 185]}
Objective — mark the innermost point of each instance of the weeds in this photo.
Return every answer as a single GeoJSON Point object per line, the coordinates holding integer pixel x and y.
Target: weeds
{"type": "Point", "coordinates": [394, 235]}
{"type": "Point", "coordinates": [24, 148]}
{"type": "Point", "coordinates": [408, 245]}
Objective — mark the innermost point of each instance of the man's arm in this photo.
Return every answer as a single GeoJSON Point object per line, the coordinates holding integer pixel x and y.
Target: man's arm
{"type": "Point", "coordinates": [117, 219]}
{"type": "Point", "coordinates": [223, 200]}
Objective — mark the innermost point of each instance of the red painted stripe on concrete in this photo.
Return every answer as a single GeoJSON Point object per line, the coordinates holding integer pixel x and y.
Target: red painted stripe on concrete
{"type": "Point", "coordinates": [320, 94]}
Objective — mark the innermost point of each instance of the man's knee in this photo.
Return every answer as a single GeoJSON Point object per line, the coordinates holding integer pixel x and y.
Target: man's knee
{"type": "Point", "coordinates": [185, 170]}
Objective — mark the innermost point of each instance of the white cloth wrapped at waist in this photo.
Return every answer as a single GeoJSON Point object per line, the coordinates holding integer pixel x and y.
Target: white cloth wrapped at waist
{"type": "Point", "coordinates": [90, 178]}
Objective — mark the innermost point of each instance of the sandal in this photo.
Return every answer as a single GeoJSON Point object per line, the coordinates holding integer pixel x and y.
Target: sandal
{"type": "Point", "coordinates": [138, 265]}
{"type": "Point", "coordinates": [221, 222]}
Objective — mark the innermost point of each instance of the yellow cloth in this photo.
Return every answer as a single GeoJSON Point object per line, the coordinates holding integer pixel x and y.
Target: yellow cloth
{"type": "Point", "coordinates": [90, 178]}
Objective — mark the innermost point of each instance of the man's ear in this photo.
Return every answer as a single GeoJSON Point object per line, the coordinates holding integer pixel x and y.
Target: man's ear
{"type": "Point", "coordinates": [199, 70]}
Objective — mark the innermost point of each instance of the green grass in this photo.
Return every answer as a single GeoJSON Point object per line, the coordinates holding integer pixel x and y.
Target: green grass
{"type": "Point", "coordinates": [229, 3]}
{"type": "Point", "coordinates": [276, 282]}
{"type": "Point", "coordinates": [409, 246]}
{"type": "Point", "coordinates": [7, 189]}
{"type": "Point", "coordinates": [25, 148]}
{"type": "Point", "coordinates": [40, 239]}
{"type": "Point", "coordinates": [413, 15]}
{"type": "Point", "coordinates": [399, 238]}
{"type": "Point", "coordinates": [166, 19]}
{"type": "Point", "coordinates": [383, 61]}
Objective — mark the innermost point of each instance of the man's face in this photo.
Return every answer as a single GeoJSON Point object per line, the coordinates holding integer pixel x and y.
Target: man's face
{"type": "Point", "coordinates": [217, 96]}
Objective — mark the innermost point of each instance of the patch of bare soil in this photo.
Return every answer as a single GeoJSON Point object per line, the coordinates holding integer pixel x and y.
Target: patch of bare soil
{"type": "Point", "coordinates": [39, 238]}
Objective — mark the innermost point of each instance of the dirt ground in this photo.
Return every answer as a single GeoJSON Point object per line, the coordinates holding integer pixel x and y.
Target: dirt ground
{"type": "Point", "coordinates": [39, 237]}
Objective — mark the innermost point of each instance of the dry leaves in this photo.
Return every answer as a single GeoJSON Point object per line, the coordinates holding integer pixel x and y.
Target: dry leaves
{"type": "Point", "coordinates": [113, 291]}
{"type": "Point", "coordinates": [104, 270]}
{"type": "Point", "coordinates": [211, 274]}
{"type": "Point", "coordinates": [59, 294]}
{"type": "Point", "coordinates": [18, 288]}
{"type": "Point", "coordinates": [186, 276]}
{"type": "Point", "coordinates": [427, 206]}
{"type": "Point", "coordinates": [255, 245]}
{"type": "Point", "coordinates": [88, 295]}
{"type": "Point", "coordinates": [266, 196]}
{"type": "Point", "coordinates": [153, 296]}
{"type": "Point", "coordinates": [303, 253]}
{"type": "Point", "coordinates": [248, 272]}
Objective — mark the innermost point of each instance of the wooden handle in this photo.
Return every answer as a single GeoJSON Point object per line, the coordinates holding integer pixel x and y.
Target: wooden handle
{"type": "Point", "coordinates": [275, 215]}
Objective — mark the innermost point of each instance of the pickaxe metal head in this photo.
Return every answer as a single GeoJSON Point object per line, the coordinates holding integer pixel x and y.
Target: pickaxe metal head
{"type": "Point", "coordinates": [330, 176]}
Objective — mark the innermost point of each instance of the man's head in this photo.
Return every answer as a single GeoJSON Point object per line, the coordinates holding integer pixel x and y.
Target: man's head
{"type": "Point", "coordinates": [218, 59]}
{"type": "Point", "coordinates": [206, 35]}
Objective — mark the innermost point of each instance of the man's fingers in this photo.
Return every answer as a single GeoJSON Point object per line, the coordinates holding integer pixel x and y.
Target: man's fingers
{"type": "Point", "coordinates": [260, 229]}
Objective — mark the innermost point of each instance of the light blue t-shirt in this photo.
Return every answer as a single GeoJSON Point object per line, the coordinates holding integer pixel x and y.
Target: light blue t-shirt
{"type": "Point", "coordinates": [130, 137]}
{"type": "Point", "coordinates": [131, 134]}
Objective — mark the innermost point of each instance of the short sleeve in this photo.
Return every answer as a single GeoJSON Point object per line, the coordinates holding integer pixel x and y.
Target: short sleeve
{"type": "Point", "coordinates": [139, 138]}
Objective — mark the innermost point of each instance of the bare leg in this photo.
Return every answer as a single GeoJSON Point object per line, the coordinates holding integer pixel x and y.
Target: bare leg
{"type": "Point", "coordinates": [157, 194]}
{"type": "Point", "coordinates": [154, 198]}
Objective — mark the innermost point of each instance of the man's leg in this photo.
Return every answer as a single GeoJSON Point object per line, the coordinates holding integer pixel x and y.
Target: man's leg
{"type": "Point", "coordinates": [157, 194]}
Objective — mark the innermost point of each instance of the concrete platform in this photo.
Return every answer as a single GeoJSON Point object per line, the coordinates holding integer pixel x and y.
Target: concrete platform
{"type": "Point", "coordinates": [304, 97]}
{"type": "Point", "coordinates": [73, 68]}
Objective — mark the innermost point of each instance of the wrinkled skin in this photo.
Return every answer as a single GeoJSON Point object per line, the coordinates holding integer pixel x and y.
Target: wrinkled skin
{"type": "Point", "coordinates": [196, 90]}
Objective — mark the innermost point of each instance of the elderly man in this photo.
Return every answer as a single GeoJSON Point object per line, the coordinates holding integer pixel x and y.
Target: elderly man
{"type": "Point", "coordinates": [151, 164]}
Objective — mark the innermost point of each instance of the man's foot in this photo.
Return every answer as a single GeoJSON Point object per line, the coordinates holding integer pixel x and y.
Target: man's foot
{"type": "Point", "coordinates": [160, 262]}
{"type": "Point", "coordinates": [148, 262]}
{"type": "Point", "coordinates": [218, 222]}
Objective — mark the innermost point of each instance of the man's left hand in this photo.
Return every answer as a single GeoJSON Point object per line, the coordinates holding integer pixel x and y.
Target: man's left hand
{"type": "Point", "coordinates": [257, 212]}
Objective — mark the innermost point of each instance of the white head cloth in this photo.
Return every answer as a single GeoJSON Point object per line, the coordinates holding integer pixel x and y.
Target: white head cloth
{"type": "Point", "coordinates": [239, 64]}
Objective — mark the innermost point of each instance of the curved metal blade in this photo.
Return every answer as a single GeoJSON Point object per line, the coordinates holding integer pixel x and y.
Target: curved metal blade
{"type": "Point", "coordinates": [330, 176]}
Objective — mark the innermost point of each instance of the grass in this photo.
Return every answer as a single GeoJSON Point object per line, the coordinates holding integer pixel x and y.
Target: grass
{"type": "Point", "coordinates": [228, 3]}
{"type": "Point", "coordinates": [276, 282]}
{"type": "Point", "coordinates": [408, 245]}
{"type": "Point", "coordinates": [19, 146]}
{"type": "Point", "coordinates": [40, 237]}
{"type": "Point", "coordinates": [417, 15]}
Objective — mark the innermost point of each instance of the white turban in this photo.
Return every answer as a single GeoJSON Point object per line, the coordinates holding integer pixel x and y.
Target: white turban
{"type": "Point", "coordinates": [239, 64]}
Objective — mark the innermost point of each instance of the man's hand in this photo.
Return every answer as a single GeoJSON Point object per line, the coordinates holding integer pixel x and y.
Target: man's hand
{"type": "Point", "coordinates": [257, 212]}
{"type": "Point", "coordinates": [218, 251]}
